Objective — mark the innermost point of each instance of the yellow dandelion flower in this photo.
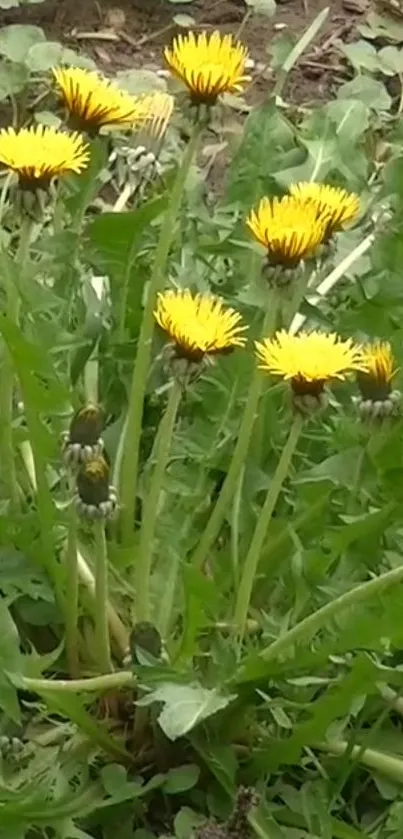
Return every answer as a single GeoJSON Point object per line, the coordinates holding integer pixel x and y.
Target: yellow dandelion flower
{"type": "Point", "coordinates": [309, 360]}
{"type": "Point", "coordinates": [39, 153]}
{"type": "Point", "coordinates": [209, 65]}
{"type": "Point", "coordinates": [93, 101]}
{"type": "Point", "coordinates": [289, 229]}
{"type": "Point", "coordinates": [338, 204]}
{"type": "Point", "coordinates": [380, 368]}
{"type": "Point", "coordinates": [198, 324]}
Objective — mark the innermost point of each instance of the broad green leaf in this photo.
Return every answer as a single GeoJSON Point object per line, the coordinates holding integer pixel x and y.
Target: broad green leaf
{"type": "Point", "coordinates": [262, 7]}
{"type": "Point", "coordinates": [181, 778]}
{"type": "Point", "coordinates": [13, 78]}
{"type": "Point", "coordinates": [185, 706]}
{"type": "Point", "coordinates": [44, 56]}
{"type": "Point", "coordinates": [361, 54]}
{"type": "Point", "coordinates": [16, 41]}
{"type": "Point", "coordinates": [350, 117]}
{"type": "Point", "coordinates": [10, 659]}
{"type": "Point", "coordinates": [250, 175]}
{"type": "Point", "coordinates": [137, 82]}
{"type": "Point", "coordinates": [116, 237]}
{"type": "Point", "coordinates": [370, 91]}
{"type": "Point", "coordinates": [221, 761]}
{"type": "Point", "coordinates": [340, 469]}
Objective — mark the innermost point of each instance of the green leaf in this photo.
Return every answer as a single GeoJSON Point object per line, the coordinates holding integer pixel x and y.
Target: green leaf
{"type": "Point", "coordinates": [181, 779]}
{"type": "Point", "coordinates": [10, 659]}
{"type": "Point", "coordinates": [16, 41]}
{"type": "Point", "coordinates": [185, 706]}
{"type": "Point", "coordinates": [361, 54]}
{"type": "Point", "coordinates": [249, 174]}
{"type": "Point", "coordinates": [221, 761]}
{"type": "Point", "coordinates": [116, 237]}
{"type": "Point", "coordinates": [262, 7]}
{"type": "Point", "coordinates": [73, 708]}
{"type": "Point", "coordinates": [137, 82]}
{"type": "Point", "coordinates": [369, 91]}
{"type": "Point", "coordinates": [186, 821]}
{"type": "Point", "coordinates": [351, 118]}
{"type": "Point", "coordinates": [340, 469]}
{"type": "Point", "coordinates": [44, 56]}
{"type": "Point", "coordinates": [13, 78]}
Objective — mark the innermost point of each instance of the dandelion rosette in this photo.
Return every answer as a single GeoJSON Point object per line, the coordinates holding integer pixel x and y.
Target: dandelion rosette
{"type": "Point", "coordinates": [309, 361]}
{"type": "Point", "coordinates": [209, 65]}
{"type": "Point", "coordinates": [40, 153]}
{"type": "Point", "coordinates": [83, 440]}
{"type": "Point", "coordinates": [94, 101]}
{"type": "Point", "coordinates": [289, 229]}
{"type": "Point", "coordinates": [96, 498]}
{"type": "Point", "coordinates": [339, 205]}
{"type": "Point", "coordinates": [377, 399]}
{"type": "Point", "coordinates": [198, 325]}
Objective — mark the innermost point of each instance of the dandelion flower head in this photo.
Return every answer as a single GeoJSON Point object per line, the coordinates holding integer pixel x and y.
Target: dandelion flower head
{"type": "Point", "coordinates": [338, 204]}
{"type": "Point", "coordinates": [94, 101]}
{"type": "Point", "coordinates": [380, 368]}
{"type": "Point", "coordinates": [198, 324]}
{"type": "Point", "coordinates": [40, 153]}
{"type": "Point", "coordinates": [209, 65]}
{"type": "Point", "coordinates": [309, 360]}
{"type": "Point", "coordinates": [288, 228]}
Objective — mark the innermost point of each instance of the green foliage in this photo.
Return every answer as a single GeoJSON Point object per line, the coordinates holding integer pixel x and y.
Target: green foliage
{"type": "Point", "coordinates": [304, 703]}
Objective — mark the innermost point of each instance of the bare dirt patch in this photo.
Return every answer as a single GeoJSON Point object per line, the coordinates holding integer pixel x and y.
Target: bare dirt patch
{"type": "Point", "coordinates": [133, 34]}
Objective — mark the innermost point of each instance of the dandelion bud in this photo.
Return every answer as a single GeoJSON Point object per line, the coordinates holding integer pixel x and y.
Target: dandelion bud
{"type": "Point", "coordinates": [83, 440]}
{"type": "Point", "coordinates": [96, 499]}
{"type": "Point", "coordinates": [377, 400]}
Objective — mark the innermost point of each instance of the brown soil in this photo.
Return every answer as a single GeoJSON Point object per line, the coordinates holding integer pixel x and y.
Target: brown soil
{"type": "Point", "coordinates": [133, 35]}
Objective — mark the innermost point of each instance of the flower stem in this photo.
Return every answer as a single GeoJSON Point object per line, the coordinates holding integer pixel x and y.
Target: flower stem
{"type": "Point", "coordinates": [7, 378]}
{"type": "Point", "coordinates": [260, 532]}
{"type": "Point", "coordinates": [130, 459]}
{"type": "Point", "coordinates": [71, 602]}
{"type": "Point", "coordinates": [386, 764]}
{"type": "Point", "coordinates": [97, 683]}
{"type": "Point", "coordinates": [241, 449]}
{"type": "Point", "coordinates": [142, 570]}
{"type": "Point", "coordinates": [101, 598]}
{"type": "Point", "coordinates": [310, 625]}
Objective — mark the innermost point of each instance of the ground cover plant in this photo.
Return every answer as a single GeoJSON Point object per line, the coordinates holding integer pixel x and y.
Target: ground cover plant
{"type": "Point", "coordinates": [201, 446]}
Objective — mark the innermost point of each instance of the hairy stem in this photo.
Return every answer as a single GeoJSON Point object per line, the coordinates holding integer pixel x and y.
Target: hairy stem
{"type": "Point", "coordinates": [132, 427]}
{"type": "Point", "coordinates": [7, 376]}
{"type": "Point", "coordinates": [230, 484]}
{"type": "Point", "coordinates": [304, 630]}
{"type": "Point", "coordinates": [71, 605]}
{"type": "Point", "coordinates": [142, 570]}
{"type": "Point", "coordinates": [262, 525]}
{"type": "Point", "coordinates": [101, 598]}
{"type": "Point", "coordinates": [110, 681]}
{"type": "Point", "coordinates": [388, 765]}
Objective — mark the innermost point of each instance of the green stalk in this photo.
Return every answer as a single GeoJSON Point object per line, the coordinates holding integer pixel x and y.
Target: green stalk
{"type": "Point", "coordinates": [110, 681]}
{"type": "Point", "coordinates": [71, 604]}
{"type": "Point", "coordinates": [230, 484]}
{"type": "Point", "coordinates": [260, 532]}
{"type": "Point", "coordinates": [387, 764]}
{"type": "Point", "coordinates": [142, 570]}
{"type": "Point", "coordinates": [132, 428]}
{"type": "Point", "coordinates": [7, 378]}
{"type": "Point", "coordinates": [101, 598]}
{"type": "Point", "coordinates": [163, 619]}
{"type": "Point", "coordinates": [117, 629]}
{"type": "Point", "coordinates": [304, 630]}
